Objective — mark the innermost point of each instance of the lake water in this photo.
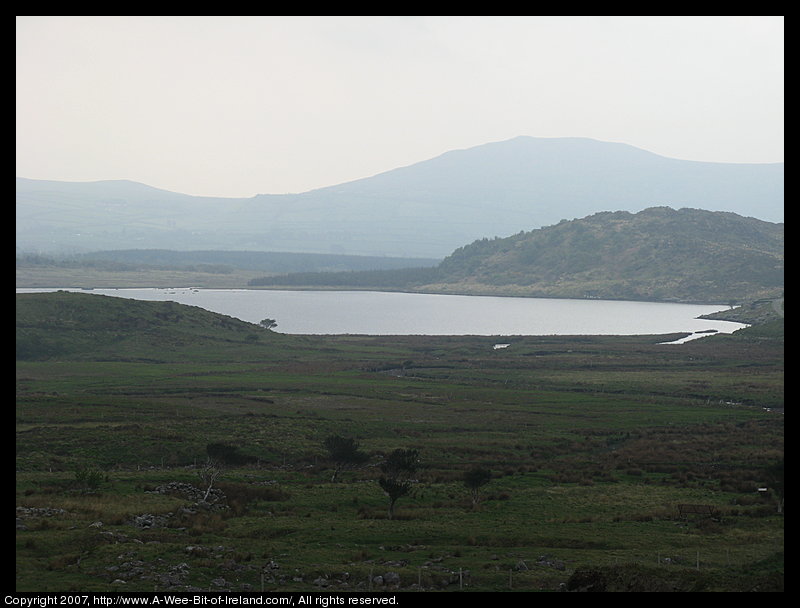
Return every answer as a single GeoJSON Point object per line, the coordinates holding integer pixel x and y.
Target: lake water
{"type": "Point", "coordinates": [390, 313]}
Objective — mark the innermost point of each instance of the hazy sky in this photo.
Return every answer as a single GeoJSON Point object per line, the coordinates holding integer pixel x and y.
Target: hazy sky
{"type": "Point", "coordinates": [235, 106]}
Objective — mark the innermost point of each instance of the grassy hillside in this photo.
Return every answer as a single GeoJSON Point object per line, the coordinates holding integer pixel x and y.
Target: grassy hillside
{"type": "Point", "coordinates": [591, 443]}
{"type": "Point", "coordinates": [77, 325]}
{"type": "Point", "coordinates": [659, 254]}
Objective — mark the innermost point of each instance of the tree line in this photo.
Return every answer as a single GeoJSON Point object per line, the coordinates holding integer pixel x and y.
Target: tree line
{"type": "Point", "coordinates": [391, 279]}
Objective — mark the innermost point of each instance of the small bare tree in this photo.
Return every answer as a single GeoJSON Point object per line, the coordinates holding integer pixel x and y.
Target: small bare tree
{"type": "Point", "coordinates": [208, 474]}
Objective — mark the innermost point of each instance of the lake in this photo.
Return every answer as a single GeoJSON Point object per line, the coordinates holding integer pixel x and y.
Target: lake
{"type": "Point", "coordinates": [392, 313]}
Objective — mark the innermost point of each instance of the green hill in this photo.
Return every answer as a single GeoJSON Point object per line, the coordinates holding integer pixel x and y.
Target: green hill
{"type": "Point", "coordinates": [658, 254]}
{"type": "Point", "coordinates": [88, 326]}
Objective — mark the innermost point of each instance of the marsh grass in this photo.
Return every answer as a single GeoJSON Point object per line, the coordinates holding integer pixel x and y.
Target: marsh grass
{"type": "Point", "coordinates": [591, 441]}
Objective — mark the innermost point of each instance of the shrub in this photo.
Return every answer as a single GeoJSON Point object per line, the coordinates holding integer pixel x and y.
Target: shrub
{"type": "Point", "coordinates": [88, 478]}
{"type": "Point", "coordinates": [474, 479]}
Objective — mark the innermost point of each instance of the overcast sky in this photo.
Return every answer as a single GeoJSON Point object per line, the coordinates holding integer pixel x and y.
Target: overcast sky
{"type": "Point", "coordinates": [235, 106]}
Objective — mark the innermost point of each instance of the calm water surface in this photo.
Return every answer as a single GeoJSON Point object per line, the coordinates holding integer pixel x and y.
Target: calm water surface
{"type": "Point", "coordinates": [384, 313]}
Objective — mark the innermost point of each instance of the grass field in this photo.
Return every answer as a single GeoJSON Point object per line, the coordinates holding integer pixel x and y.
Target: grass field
{"type": "Point", "coordinates": [592, 443]}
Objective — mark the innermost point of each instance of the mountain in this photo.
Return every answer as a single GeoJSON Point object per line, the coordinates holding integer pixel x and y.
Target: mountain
{"type": "Point", "coordinates": [657, 254]}
{"type": "Point", "coordinates": [660, 253]}
{"type": "Point", "coordinates": [423, 210]}
{"type": "Point", "coordinates": [53, 216]}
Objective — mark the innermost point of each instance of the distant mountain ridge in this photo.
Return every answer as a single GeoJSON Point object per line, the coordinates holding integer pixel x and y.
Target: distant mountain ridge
{"type": "Point", "coordinates": [426, 209]}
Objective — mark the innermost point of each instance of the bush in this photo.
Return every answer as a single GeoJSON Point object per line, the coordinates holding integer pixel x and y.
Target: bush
{"type": "Point", "coordinates": [88, 478]}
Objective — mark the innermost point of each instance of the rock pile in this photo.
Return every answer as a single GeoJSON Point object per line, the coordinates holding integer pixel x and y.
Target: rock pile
{"type": "Point", "coordinates": [215, 501]}
{"type": "Point", "coordinates": [24, 513]}
{"type": "Point", "coordinates": [190, 492]}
